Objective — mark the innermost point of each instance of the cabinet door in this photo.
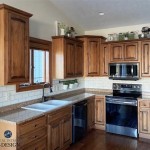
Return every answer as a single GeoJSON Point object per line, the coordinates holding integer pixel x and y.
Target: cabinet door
{"type": "Point", "coordinates": [66, 131]}
{"type": "Point", "coordinates": [145, 70]}
{"type": "Point", "coordinates": [93, 57]}
{"type": "Point", "coordinates": [100, 111]}
{"type": "Point", "coordinates": [79, 59]}
{"type": "Point", "coordinates": [91, 113]}
{"type": "Point", "coordinates": [144, 120]}
{"type": "Point", "coordinates": [54, 135]}
{"type": "Point", "coordinates": [131, 51]}
{"type": "Point", "coordinates": [18, 48]}
{"type": "Point", "coordinates": [104, 59]}
{"type": "Point", "coordinates": [69, 58]}
{"type": "Point", "coordinates": [116, 52]}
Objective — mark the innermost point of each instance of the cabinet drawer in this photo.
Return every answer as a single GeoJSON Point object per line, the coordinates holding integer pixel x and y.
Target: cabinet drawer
{"type": "Point", "coordinates": [59, 114]}
{"type": "Point", "coordinates": [32, 125]}
{"type": "Point", "coordinates": [144, 104]}
{"type": "Point", "coordinates": [33, 136]}
{"type": "Point", "coordinates": [38, 145]}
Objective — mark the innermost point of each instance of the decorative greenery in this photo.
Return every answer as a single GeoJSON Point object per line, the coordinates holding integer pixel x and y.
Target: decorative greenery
{"type": "Point", "coordinates": [67, 82]}
{"type": "Point", "coordinates": [61, 25]}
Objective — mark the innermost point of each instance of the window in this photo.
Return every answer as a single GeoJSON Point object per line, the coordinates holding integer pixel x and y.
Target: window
{"type": "Point", "coordinates": [40, 70]}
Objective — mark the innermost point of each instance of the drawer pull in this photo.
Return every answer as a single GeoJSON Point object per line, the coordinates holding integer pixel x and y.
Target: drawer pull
{"type": "Point", "coordinates": [35, 137]}
{"type": "Point", "coordinates": [35, 125]}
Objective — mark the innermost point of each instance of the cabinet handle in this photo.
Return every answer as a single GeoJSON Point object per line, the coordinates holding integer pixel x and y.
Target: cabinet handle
{"type": "Point", "coordinates": [35, 125]}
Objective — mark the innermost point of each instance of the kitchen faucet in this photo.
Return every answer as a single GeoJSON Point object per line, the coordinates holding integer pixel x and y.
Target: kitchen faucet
{"type": "Point", "coordinates": [50, 87]}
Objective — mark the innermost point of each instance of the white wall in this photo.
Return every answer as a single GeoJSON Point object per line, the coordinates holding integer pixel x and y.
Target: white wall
{"type": "Point", "coordinates": [105, 32]}
{"type": "Point", "coordinates": [42, 23]}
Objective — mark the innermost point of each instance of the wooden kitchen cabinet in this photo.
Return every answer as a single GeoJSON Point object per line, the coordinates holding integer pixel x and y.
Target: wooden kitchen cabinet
{"type": "Point", "coordinates": [67, 57]}
{"type": "Point", "coordinates": [30, 134]}
{"type": "Point", "coordinates": [14, 39]}
{"type": "Point", "coordinates": [66, 131]}
{"type": "Point", "coordinates": [70, 57]}
{"type": "Point", "coordinates": [91, 54]}
{"type": "Point", "coordinates": [125, 51]}
{"type": "Point", "coordinates": [91, 113]}
{"type": "Point", "coordinates": [60, 129]}
{"type": "Point", "coordinates": [116, 52]}
{"type": "Point", "coordinates": [144, 118]}
{"type": "Point", "coordinates": [100, 112]}
{"type": "Point", "coordinates": [105, 59]}
{"type": "Point", "coordinates": [145, 59]}
{"type": "Point", "coordinates": [79, 59]}
{"type": "Point", "coordinates": [131, 51]}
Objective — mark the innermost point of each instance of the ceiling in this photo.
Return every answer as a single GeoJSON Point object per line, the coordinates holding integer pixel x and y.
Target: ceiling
{"type": "Point", "coordinates": [117, 12]}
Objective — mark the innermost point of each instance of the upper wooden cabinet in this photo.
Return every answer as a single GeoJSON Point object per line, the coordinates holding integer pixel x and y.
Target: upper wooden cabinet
{"type": "Point", "coordinates": [14, 39]}
{"type": "Point", "coordinates": [79, 59]}
{"type": "Point", "coordinates": [124, 51]}
{"type": "Point", "coordinates": [67, 55]}
{"type": "Point", "coordinates": [91, 54]}
{"type": "Point", "coordinates": [105, 59]}
{"type": "Point", "coordinates": [116, 52]}
{"type": "Point", "coordinates": [145, 59]}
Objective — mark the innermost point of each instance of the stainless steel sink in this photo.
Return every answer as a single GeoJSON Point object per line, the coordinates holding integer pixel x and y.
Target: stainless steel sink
{"type": "Point", "coordinates": [40, 107]}
{"type": "Point", "coordinates": [57, 102]}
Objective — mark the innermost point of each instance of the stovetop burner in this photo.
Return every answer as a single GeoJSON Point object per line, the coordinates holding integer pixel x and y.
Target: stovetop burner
{"type": "Point", "coordinates": [126, 91]}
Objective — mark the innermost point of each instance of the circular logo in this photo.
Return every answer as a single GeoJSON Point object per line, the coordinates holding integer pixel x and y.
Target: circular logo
{"type": "Point", "coordinates": [8, 134]}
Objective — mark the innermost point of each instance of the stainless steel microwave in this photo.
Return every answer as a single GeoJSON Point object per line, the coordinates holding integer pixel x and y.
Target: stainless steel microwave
{"type": "Point", "coordinates": [124, 71]}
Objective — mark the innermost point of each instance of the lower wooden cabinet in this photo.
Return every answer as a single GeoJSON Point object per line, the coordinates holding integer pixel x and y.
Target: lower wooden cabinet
{"type": "Point", "coordinates": [28, 135]}
{"type": "Point", "coordinates": [38, 145]}
{"type": "Point", "coordinates": [100, 112]}
{"type": "Point", "coordinates": [60, 129]}
{"type": "Point", "coordinates": [91, 113]}
{"type": "Point", "coordinates": [144, 118]}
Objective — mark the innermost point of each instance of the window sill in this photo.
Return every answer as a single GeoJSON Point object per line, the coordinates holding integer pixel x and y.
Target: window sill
{"type": "Point", "coordinates": [28, 88]}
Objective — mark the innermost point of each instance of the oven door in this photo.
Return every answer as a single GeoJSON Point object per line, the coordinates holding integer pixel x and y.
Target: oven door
{"type": "Point", "coordinates": [121, 116]}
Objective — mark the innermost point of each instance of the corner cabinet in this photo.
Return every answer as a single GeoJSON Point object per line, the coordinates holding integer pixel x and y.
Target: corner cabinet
{"type": "Point", "coordinates": [67, 55]}
{"type": "Point", "coordinates": [105, 59]}
{"type": "Point", "coordinates": [91, 54]}
{"type": "Point", "coordinates": [14, 39]}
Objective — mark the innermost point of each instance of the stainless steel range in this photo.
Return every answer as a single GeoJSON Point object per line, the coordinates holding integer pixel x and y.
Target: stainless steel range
{"type": "Point", "coordinates": [121, 109]}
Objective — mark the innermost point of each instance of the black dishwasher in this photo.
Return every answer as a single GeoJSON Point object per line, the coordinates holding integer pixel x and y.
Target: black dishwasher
{"type": "Point", "coordinates": [79, 120]}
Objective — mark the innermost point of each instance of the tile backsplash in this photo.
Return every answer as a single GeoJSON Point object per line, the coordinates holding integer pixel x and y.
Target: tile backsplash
{"type": "Point", "coordinates": [105, 83]}
{"type": "Point", "coordinates": [9, 96]}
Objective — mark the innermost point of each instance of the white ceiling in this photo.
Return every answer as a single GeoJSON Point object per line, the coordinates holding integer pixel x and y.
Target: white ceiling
{"type": "Point", "coordinates": [117, 12]}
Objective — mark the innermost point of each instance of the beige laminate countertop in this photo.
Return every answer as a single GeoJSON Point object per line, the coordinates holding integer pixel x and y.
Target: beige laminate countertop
{"type": "Point", "coordinates": [22, 115]}
{"type": "Point", "coordinates": [19, 116]}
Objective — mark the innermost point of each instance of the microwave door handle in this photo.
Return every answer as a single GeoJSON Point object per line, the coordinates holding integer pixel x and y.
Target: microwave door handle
{"type": "Point", "coordinates": [132, 71]}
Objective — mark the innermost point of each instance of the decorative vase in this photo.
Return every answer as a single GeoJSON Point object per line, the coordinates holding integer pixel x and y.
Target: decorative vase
{"type": "Point", "coordinates": [62, 31]}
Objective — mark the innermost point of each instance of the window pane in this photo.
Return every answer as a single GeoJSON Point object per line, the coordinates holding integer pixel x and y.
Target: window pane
{"type": "Point", "coordinates": [39, 66]}
{"type": "Point", "coordinates": [47, 66]}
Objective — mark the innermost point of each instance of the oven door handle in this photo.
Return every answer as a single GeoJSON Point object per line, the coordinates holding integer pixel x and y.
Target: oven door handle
{"type": "Point", "coordinates": [122, 102]}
